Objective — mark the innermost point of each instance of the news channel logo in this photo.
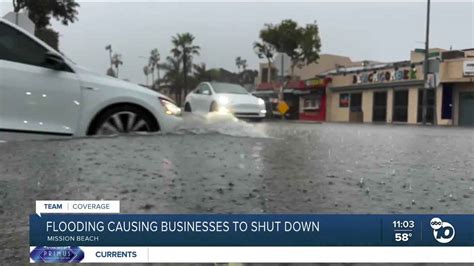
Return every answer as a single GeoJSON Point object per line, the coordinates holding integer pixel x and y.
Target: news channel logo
{"type": "Point", "coordinates": [443, 232]}
{"type": "Point", "coordinates": [57, 254]}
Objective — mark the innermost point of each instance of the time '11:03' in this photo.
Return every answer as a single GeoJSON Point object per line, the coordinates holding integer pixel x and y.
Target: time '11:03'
{"type": "Point", "coordinates": [403, 224]}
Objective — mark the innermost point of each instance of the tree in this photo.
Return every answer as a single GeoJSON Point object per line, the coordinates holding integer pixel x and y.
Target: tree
{"type": "Point", "coordinates": [48, 36]}
{"type": "Point", "coordinates": [265, 51]}
{"type": "Point", "coordinates": [184, 50]}
{"type": "Point", "coordinates": [153, 64]}
{"type": "Point", "coordinates": [309, 46]}
{"type": "Point", "coordinates": [41, 11]}
{"type": "Point", "coordinates": [146, 71]}
{"type": "Point", "coordinates": [117, 61]}
{"type": "Point", "coordinates": [173, 76]}
{"type": "Point", "coordinates": [111, 72]}
{"type": "Point", "coordinates": [244, 65]}
{"type": "Point", "coordinates": [109, 48]}
{"type": "Point", "coordinates": [201, 73]}
{"type": "Point", "coordinates": [301, 44]}
{"type": "Point", "coordinates": [238, 63]}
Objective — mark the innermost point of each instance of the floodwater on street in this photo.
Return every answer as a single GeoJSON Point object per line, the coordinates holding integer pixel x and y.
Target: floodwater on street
{"type": "Point", "coordinates": [220, 165]}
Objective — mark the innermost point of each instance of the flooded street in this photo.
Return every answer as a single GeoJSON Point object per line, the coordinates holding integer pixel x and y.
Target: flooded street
{"type": "Point", "coordinates": [237, 167]}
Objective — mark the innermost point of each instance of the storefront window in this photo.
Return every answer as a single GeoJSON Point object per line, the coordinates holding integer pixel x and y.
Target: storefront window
{"type": "Point", "coordinates": [311, 103]}
{"type": "Point", "coordinates": [380, 107]}
{"type": "Point", "coordinates": [265, 77]}
{"type": "Point", "coordinates": [344, 100]}
{"type": "Point", "coordinates": [447, 102]}
{"type": "Point", "coordinates": [400, 106]}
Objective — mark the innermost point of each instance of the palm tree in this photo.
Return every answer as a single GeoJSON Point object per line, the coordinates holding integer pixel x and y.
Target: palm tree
{"type": "Point", "coordinates": [146, 71]}
{"type": "Point", "coordinates": [244, 65]}
{"type": "Point", "coordinates": [173, 76]}
{"type": "Point", "coordinates": [201, 73]}
{"type": "Point", "coordinates": [183, 51]}
{"type": "Point", "coordinates": [238, 63]}
{"type": "Point", "coordinates": [111, 72]}
{"type": "Point", "coordinates": [117, 61]}
{"type": "Point", "coordinates": [153, 64]}
{"type": "Point", "coordinates": [265, 50]}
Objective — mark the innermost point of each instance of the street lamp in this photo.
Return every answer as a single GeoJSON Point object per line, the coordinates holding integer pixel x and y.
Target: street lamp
{"type": "Point", "coordinates": [426, 66]}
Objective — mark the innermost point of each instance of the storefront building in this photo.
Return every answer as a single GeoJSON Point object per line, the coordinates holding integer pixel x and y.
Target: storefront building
{"type": "Point", "coordinates": [306, 99]}
{"type": "Point", "coordinates": [337, 89]}
{"type": "Point", "coordinates": [393, 92]}
{"type": "Point", "coordinates": [457, 80]}
{"type": "Point", "coordinates": [381, 93]}
{"type": "Point", "coordinates": [306, 93]}
{"type": "Point", "coordinates": [269, 92]}
{"type": "Point", "coordinates": [312, 99]}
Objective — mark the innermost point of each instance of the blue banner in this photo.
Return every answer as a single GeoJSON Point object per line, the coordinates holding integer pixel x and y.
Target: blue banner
{"type": "Point", "coordinates": [251, 230]}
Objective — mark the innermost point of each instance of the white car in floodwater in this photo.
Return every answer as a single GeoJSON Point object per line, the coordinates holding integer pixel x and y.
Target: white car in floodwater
{"type": "Point", "coordinates": [42, 92]}
{"type": "Point", "coordinates": [225, 98]}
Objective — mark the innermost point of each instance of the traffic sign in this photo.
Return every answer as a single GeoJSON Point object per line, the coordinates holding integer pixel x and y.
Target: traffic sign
{"type": "Point", "coordinates": [283, 107]}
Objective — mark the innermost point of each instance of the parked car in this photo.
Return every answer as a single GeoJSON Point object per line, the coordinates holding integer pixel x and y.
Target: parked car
{"type": "Point", "coordinates": [41, 91]}
{"type": "Point", "coordinates": [225, 98]}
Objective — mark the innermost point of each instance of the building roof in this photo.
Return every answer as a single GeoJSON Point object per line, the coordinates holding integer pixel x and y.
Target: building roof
{"type": "Point", "coordinates": [375, 66]}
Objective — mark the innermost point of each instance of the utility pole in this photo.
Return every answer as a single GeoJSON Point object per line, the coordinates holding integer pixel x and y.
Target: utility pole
{"type": "Point", "coordinates": [281, 95]}
{"type": "Point", "coordinates": [281, 79]}
{"type": "Point", "coordinates": [426, 65]}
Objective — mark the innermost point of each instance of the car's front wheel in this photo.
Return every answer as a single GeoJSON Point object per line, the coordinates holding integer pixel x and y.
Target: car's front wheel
{"type": "Point", "coordinates": [213, 107]}
{"type": "Point", "coordinates": [187, 108]}
{"type": "Point", "coordinates": [123, 120]}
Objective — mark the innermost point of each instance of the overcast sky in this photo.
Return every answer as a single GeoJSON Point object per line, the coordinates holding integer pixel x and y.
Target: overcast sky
{"type": "Point", "coordinates": [372, 31]}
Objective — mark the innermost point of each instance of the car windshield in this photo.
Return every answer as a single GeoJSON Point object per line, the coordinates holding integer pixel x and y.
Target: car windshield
{"type": "Point", "coordinates": [229, 88]}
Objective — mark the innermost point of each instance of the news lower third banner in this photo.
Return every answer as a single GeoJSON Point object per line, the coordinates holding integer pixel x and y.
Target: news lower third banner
{"type": "Point", "coordinates": [245, 238]}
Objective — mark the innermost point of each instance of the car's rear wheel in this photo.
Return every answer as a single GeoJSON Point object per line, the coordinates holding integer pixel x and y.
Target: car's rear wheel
{"type": "Point", "coordinates": [122, 120]}
{"type": "Point", "coordinates": [187, 108]}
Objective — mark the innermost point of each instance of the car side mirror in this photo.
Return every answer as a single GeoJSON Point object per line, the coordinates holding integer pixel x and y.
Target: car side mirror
{"type": "Point", "coordinates": [54, 61]}
{"type": "Point", "coordinates": [206, 92]}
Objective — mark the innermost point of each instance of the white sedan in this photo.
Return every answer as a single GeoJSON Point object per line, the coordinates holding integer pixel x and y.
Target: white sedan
{"type": "Point", "coordinates": [42, 92]}
{"type": "Point", "coordinates": [225, 98]}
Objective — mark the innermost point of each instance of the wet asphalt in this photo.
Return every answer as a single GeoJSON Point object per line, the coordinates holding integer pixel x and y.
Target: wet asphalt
{"type": "Point", "coordinates": [227, 166]}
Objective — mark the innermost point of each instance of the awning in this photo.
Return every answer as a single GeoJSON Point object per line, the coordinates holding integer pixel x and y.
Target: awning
{"type": "Point", "coordinates": [297, 84]}
{"type": "Point", "coordinates": [269, 92]}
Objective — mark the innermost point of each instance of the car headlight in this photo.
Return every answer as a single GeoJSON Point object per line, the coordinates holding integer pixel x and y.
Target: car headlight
{"type": "Point", "coordinates": [261, 101]}
{"type": "Point", "coordinates": [222, 110]}
{"type": "Point", "coordinates": [223, 100]}
{"type": "Point", "coordinates": [170, 107]}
